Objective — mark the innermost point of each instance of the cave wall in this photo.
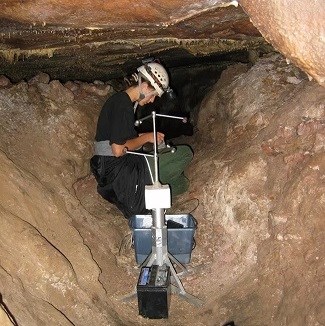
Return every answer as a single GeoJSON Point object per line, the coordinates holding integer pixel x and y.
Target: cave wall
{"type": "Point", "coordinates": [49, 275]}
{"type": "Point", "coordinates": [295, 28]}
{"type": "Point", "coordinates": [261, 218]}
{"type": "Point", "coordinates": [257, 175]}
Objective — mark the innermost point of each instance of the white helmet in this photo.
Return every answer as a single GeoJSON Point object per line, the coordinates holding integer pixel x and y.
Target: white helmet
{"type": "Point", "coordinates": [157, 75]}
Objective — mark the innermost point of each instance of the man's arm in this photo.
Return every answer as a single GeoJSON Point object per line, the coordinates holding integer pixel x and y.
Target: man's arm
{"type": "Point", "coordinates": [136, 143]}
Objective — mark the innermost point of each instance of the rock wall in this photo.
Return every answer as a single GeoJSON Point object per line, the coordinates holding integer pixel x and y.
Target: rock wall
{"type": "Point", "coordinates": [295, 29]}
{"type": "Point", "coordinates": [261, 188]}
{"type": "Point", "coordinates": [48, 273]}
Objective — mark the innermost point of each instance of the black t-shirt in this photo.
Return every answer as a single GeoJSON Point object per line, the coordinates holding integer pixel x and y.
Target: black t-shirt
{"type": "Point", "coordinates": [116, 120]}
{"type": "Point", "coordinates": [121, 180]}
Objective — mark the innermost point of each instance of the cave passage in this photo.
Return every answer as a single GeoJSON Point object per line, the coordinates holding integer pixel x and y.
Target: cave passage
{"type": "Point", "coordinates": [256, 125]}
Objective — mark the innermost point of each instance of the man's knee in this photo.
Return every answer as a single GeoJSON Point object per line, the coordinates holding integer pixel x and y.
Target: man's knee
{"type": "Point", "coordinates": [185, 152]}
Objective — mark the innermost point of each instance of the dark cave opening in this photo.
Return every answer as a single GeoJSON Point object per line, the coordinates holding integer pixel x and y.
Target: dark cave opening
{"type": "Point", "coordinates": [191, 78]}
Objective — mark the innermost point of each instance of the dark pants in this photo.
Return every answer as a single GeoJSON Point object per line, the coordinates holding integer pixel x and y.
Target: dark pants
{"type": "Point", "coordinates": [122, 181]}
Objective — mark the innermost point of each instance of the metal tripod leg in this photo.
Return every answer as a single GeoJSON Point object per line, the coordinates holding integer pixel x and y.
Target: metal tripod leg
{"type": "Point", "coordinates": [130, 296]}
{"type": "Point", "coordinates": [147, 262]}
{"type": "Point", "coordinates": [179, 288]}
{"type": "Point", "coordinates": [178, 264]}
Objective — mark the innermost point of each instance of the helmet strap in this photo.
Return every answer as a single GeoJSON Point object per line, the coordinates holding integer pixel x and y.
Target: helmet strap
{"type": "Point", "coordinates": [141, 95]}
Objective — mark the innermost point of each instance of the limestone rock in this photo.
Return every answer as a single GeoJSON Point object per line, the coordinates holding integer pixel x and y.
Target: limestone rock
{"type": "Point", "coordinates": [261, 196]}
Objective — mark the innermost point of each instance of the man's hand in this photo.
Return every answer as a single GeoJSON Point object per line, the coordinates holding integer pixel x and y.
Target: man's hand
{"type": "Point", "coordinates": [160, 137]}
{"type": "Point", "coordinates": [136, 143]}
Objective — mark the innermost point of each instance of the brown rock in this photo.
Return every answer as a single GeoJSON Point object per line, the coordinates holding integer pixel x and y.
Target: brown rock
{"type": "Point", "coordinates": [40, 78]}
{"type": "Point", "coordinates": [4, 81]}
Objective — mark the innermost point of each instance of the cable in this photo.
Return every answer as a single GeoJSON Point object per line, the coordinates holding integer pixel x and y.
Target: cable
{"type": "Point", "coordinates": [198, 204]}
{"type": "Point", "coordinates": [149, 168]}
{"type": "Point", "coordinates": [188, 200]}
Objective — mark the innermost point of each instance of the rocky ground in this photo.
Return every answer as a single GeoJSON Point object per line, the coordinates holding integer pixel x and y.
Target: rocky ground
{"type": "Point", "coordinates": [257, 192]}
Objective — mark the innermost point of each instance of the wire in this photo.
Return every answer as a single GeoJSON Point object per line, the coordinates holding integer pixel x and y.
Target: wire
{"type": "Point", "coordinates": [149, 168]}
{"type": "Point", "coordinates": [189, 200]}
{"type": "Point", "coordinates": [198, 204]}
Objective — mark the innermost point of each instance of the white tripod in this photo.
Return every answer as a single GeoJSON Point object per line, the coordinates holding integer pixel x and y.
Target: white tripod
{"type": "Point", "coordinates": [157, 199]}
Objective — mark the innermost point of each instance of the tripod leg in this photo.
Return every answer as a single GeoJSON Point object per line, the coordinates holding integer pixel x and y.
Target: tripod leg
{"type": "Point", "coordinates": [149, 260]}
{"type": "Point", "coordinates": [178, 264]}
{"type": "Point", "coordinates": [179, 288]}
{"type": "Point", "coordinates": [174, 276]}
{"type": "Point", "coordinates": [130, 296]}
{"type": "Point", "coordinates": [186, 296]}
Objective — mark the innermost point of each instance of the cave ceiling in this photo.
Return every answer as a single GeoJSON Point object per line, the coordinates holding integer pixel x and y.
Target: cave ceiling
{"type": "Point", "coordinates": [88, 40]}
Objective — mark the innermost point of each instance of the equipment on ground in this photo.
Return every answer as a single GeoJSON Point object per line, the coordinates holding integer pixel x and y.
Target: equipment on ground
{"type": "Point", "coordinates": [150, 290]}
